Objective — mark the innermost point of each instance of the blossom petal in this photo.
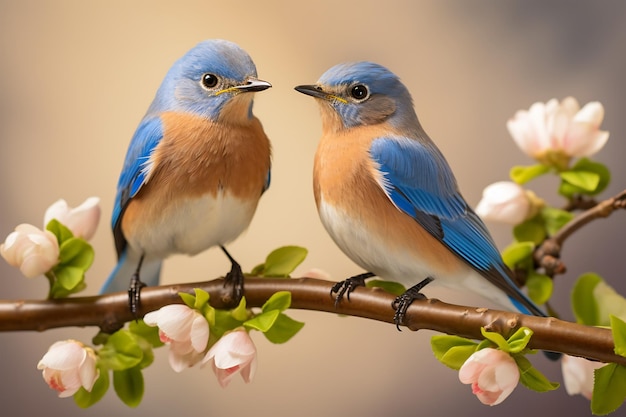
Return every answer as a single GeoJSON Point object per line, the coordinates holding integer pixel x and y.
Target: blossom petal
{"type": "Point", "coordinates": [592, 112]}
{"type": "Point", "coordinates": [174, 320]}
{"type": "Point", "coordinates": [63, 355]}
{"type": "Point", "coordinates": [199, 333]}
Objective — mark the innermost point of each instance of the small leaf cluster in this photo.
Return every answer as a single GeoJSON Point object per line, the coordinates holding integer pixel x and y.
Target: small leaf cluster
{"type": "Point", "coordinates": [271, 320]}
{"type": "Point", "coordinates": [454, 351]}
{"type": "Point", "coordinates": [75, 258]}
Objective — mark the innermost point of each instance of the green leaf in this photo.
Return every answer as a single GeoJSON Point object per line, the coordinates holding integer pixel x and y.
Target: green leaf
{"type": "Point", "coordinates": [618, 328]}
{"type": "Point", "coordinates": [77, 253]}
{"type": "Point", "coordinates": [531, 230]}
{"type": "Point", "coordinates": [263, 322]}
{"type": "Point", "coordinates": [280, 301]}
{"type": "Point", "coordinates": [284, 328]}
{"type": "Point", "coordinates": [224, 322]}
{"type": "Point", "coordinates": [583, 303]}
{"type": "Point", "coordinates": [523, 174]}
{"type": "Point", "coordinates": [588, 178]}
{"type": "Point", "coordinates": [188, 299]}
{"type": "Point", "coordinates": [282, 261]}
{"type": "Point", "coordinates": [149, 333]}
{"type": "Point", "coordinates": [257, 270]}
{"type": "Point", "coordinates": [555, 219]}
{"type": "Point", "coordinates": [517, 253]}
{"type": "Point", "coordinates": [609, 303]}
{"type": "Point", "coordinates": [519, 340]}
{"type": "Point", "coordinates": [609, 389]}
{"type": "Point", "coordinates": [202, 298]}
{"type": "Point", "coordinates": [452, 351]}
{"type": "Point", "coordinates": [585, 177]}
{"type": "Point", "coordinates": [85, 399]}
{"type": "Point", "coordinates": [100, 338]}
{"type": "Point", "coordinates": [394, 288]}
{"type": "Point", "coordinates": [539, 286]}
{"type": "Point", "coordinates": [240, 313]}
{"type": "Point", "coordinates": [121, 351]}
{"type": "Point", "coordinates": [584, 180]}
{"type": "Point", "coordinates": [129, 386]}
{"type": "Point", "coordinates": [531, 378]}
{"type": "Point", "coordinates": [495, 338]}
{"type": "Point", "coordinates": [61, 232]}
{"type": "Point", "coordinates": [69, 277]}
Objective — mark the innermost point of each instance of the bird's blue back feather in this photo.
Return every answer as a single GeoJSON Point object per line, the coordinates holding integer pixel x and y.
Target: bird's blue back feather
{"type": "Point", "coordinates": [133, 176]}
{"type": "Point", "coordinates": [415, 180]}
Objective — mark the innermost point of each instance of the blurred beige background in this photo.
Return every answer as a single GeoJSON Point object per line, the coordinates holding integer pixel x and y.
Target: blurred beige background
{"type": "Point", "coordinates": [76, 78]}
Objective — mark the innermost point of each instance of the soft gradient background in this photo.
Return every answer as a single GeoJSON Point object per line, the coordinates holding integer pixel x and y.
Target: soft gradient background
{"type": "Point", "coordinates": [76, 78]}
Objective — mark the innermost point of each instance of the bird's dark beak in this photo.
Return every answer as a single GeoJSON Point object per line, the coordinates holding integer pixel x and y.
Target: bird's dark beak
{"type": "Point", "coordinates": [253, 85]}
{"type": "Point", "coordinates": [313, 91]}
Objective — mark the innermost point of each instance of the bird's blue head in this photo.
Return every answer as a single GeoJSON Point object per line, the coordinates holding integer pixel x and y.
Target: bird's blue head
{"type": "Point", "coordinates": [209, 79]}
{"type": "Point", "coordinates": [361, 93]}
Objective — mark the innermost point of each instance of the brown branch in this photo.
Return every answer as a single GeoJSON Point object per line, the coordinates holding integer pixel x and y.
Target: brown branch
{"type": "Point", "coordinates": [110, 312]}
{"type": "Point", "coordinates": [547, 254]}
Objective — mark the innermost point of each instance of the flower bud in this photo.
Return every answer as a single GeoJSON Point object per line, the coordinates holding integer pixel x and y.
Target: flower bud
{"type": "Point", "coordinates": [31, 250]}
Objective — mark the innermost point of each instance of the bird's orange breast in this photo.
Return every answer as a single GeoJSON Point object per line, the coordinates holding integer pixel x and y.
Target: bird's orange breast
{"type": "Point", "coordinates": [197, 157]}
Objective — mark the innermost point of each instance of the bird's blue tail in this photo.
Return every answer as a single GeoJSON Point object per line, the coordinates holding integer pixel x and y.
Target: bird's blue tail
{"type": "Point", "coordinates": [119, 278]}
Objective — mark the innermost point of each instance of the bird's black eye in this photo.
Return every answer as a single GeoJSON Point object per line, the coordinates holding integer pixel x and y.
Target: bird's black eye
{"type": "Point", "coordinates": [209, 80]}
{"type": "Point", "coordinates": [359, 92]}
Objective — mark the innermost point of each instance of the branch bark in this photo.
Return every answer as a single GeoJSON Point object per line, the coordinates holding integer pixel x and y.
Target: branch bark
{"type": "Point", "coordinates": [548, 253]}
{"type": "Point", "coordinates": [110, 312]}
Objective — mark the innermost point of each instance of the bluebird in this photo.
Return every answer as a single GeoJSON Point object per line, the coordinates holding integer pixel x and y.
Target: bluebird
{"type": "Point", "coordinates": [388, 198]}
{"type": "Point", "coordinates": [195, 169]}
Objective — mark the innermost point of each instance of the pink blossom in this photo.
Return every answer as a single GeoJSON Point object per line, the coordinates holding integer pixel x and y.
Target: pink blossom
{"type": "Point", "coordinates": [492, 373]}
{"type": "Point", "coordinates": [30, 249]}
{"type": "Point", "coordinates": [578, 375]}
{"type": "Point", "coordinates": [552, 132]}
{"type": "Point", "coordinates": [185, 330]}
{"type": "Point", "coordinates": [233, 353]}
{"type": "Point", "coordinates": [81, 220]}
{"type": "Point", "coordinates": [69, 365]}
{"type": "Point", "coordinates": [505, 202]}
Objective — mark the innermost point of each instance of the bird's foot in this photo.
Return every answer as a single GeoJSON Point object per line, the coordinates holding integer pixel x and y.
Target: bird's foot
{"type": "Point", "coordinates": [235, 280]}
{"type": "Point", "coordinates": [402, 302]}
{"type": "Point", "coordinates": [134, 294]}
{"type": "Point", "coordinates": [346, 286]}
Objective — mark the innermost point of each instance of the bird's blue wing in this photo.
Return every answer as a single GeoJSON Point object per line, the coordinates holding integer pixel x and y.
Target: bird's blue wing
{"type": "Point", "coordinates": [419, 181]}
{"type": "Point", "coordinates": [136, 166]}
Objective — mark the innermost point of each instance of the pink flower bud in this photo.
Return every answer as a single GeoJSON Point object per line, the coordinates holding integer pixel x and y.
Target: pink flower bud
{"type": "Point", "coordinates": [69, 365]}
{"type": "Point", "coordinates": [561, 129]}
{"type": "Point", "coordinates": [578, 375]}
{"type": "Point", "coordinates": [234, 353]}
{"type": "Point", "coordinates": [82, 220]}
{"type": "Point", "coordinates": [492, 373]}
{"type": "Point", "coordinates": [504, 202]}
{"type": "Point", "coordinates": [185, 330]}
{"type": "Point", "coordinates": [31, 250]}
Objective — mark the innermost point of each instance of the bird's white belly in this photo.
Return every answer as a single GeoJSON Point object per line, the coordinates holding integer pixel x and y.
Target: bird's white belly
{"type": "Point", "coordinates": [403, 265]}
{"type": "Point", "coordinates": [195, 225]}
{"type": "Point", "coordinates": [370, 251]}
